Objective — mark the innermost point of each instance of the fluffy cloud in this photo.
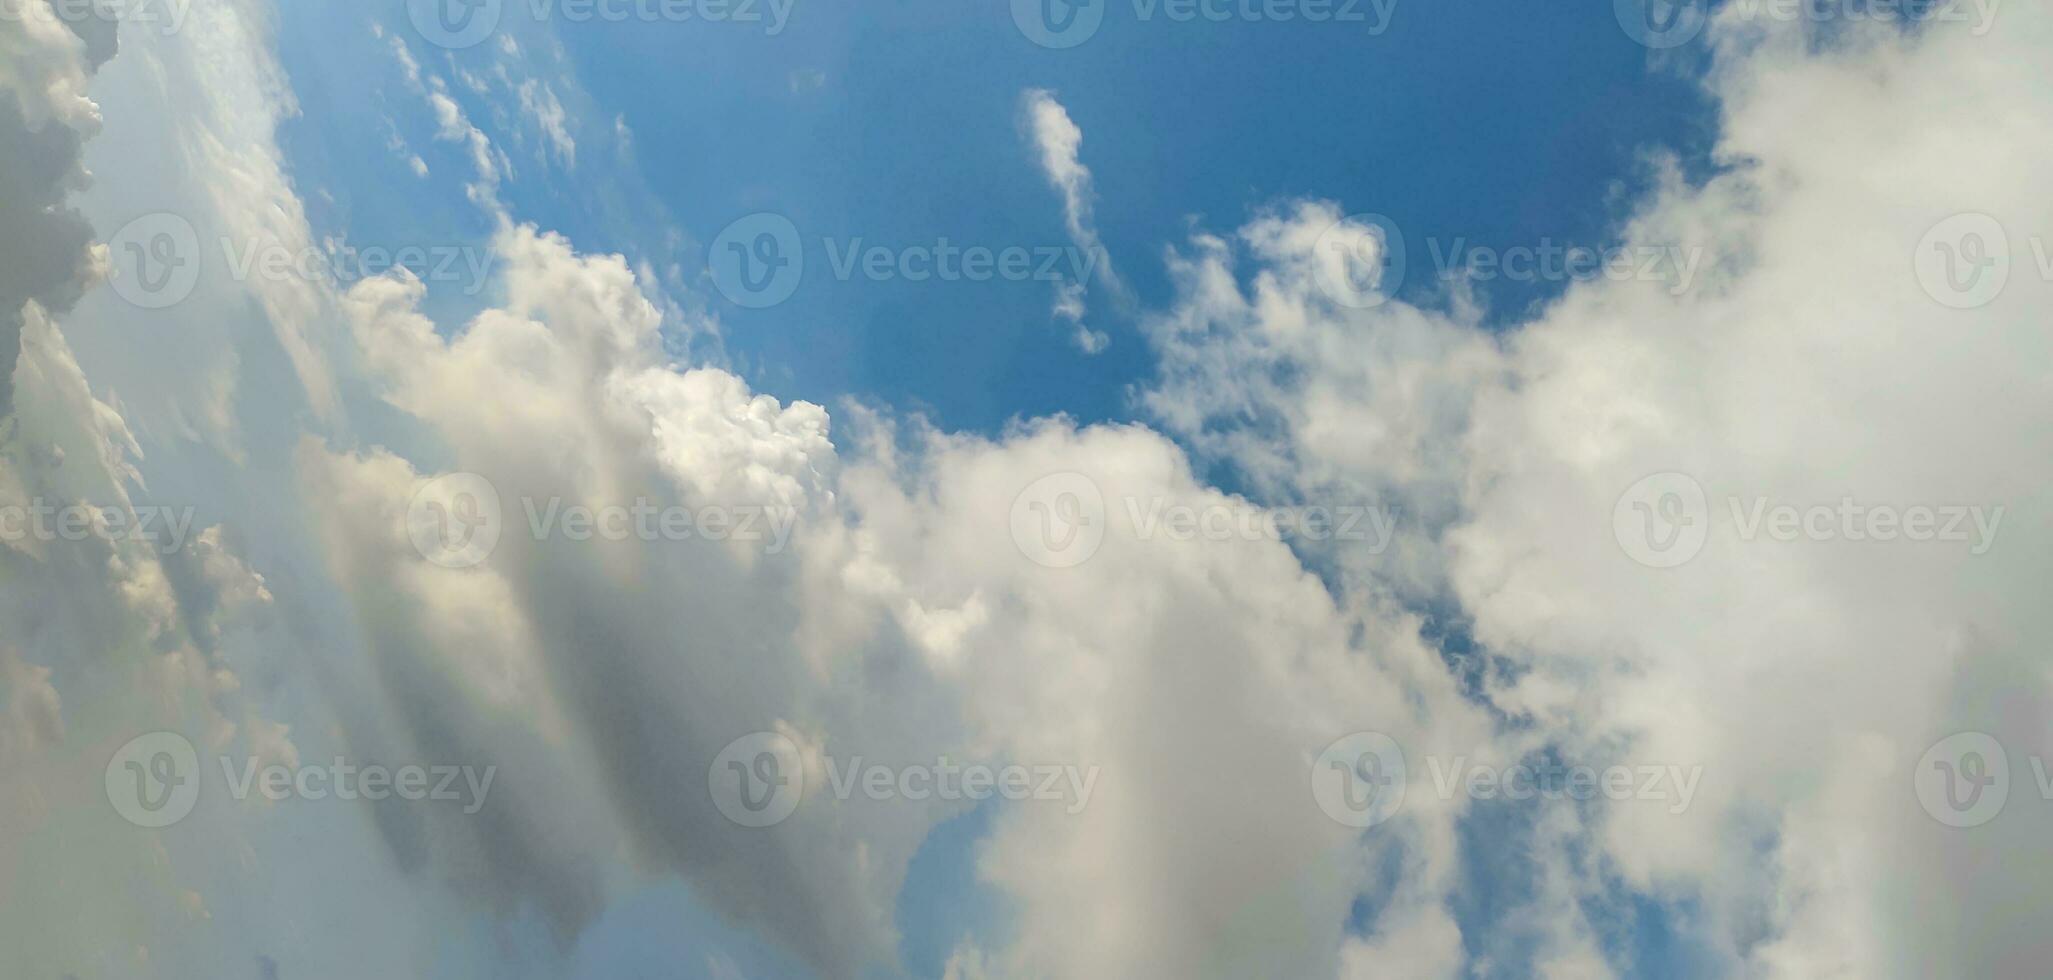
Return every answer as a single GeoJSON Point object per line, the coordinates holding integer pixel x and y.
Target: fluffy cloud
{"type": "Point", "coordinates": [904, 619]}
{"type": "Point", "coordinates": [45, 256]}
{"type": "Point", "coordinates": [1806, 677]}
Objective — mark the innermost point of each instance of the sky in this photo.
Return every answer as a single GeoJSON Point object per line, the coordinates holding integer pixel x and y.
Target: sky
{"type": "Point", "coordinates": [1156, 488]}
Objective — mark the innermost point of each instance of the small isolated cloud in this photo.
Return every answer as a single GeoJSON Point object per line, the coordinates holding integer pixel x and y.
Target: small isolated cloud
{"type": "Point", "coordinates": [1058, 141]}
{"type": "Point", "coordinates": [806, 79]}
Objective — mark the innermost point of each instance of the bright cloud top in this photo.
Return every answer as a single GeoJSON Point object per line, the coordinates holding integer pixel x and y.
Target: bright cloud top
{"type": "Point", "coordinates": [1483, 576]}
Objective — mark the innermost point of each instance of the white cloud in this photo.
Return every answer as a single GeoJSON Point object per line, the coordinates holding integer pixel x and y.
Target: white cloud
{"type": "Point", "coordinates": [539, 102]}
{"type": "Point", "coordinates": [1059, 141]}
{"type": "Point", "coordinates": [1806, 678]}
{"type": "Point", "coordinates": [1200, 678]}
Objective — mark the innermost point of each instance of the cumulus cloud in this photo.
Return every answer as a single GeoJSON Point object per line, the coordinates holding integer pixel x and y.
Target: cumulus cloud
{"type": "Point", "coordinates": [905, 618]}
{"type": "Point", "coordinates": [1806, 678]}
{"type": "Point", "coordinates": [46, 254]}
{"type": "Point", "coordinates": [845, 646]}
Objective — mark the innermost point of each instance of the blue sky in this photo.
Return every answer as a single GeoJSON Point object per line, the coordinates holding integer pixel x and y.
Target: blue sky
{"type": "Point", "coordinates": [900, 124]}
{"type": "Point", "coordinates": [1491, 124]}
{"type": "Point", "coordinates": [1293, 580]}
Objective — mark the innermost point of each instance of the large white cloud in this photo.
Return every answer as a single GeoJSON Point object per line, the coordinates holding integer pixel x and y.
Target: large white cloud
{"type": "Point", "coordinates": [905, 619]}
{"type": "Point", "coordinates": [1806, 677]}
